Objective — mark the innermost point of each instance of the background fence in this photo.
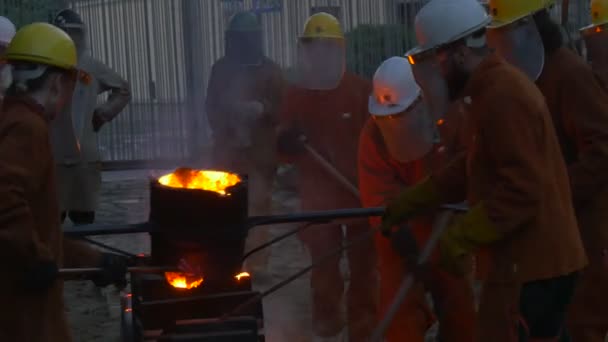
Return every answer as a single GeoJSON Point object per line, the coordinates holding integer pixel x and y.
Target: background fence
{"type": "Point", "coordinates": [166, 49]}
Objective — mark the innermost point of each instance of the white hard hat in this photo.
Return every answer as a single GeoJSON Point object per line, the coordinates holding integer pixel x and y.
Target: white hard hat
{"type": "Point", "coordinates": [441, 22]}
{"type": "Point", "coordinates": [7, 30]}
{"type": "Point", "coordinates": [394, 88]}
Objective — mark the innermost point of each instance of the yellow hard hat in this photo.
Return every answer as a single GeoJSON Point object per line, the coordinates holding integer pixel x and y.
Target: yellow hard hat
{"type": "Point", "coordinates": [42, 43]}
{"type": "Point", "coordinates": [505, 12]}
{"type": "Point", "coordinates": [599, 12]}
{"type": "Point", "coordinates": [322, 25]}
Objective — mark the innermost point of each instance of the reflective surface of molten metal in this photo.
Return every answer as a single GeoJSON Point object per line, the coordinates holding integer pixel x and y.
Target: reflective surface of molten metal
{"type": "Point", "coordinates": [215, 181]}
{"type": "Point", "coordinates": [183, 281]}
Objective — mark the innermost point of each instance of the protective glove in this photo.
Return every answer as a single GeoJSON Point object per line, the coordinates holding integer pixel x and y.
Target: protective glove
{"type": "Point", "coordinates": [114, 271]}
{"type": "Point", "coordinates": [404, 243]}
{"type": "Point", "coordinates": [464, 237]}
{"type": "Point", "coordinates": [41, 276]}
{"type": "Point", "coordinates": [291, 142]}
{"type": "Point", "coordinates": [98, 120]}
{"type": "Point", "coordinates": [250, 110]}
{"type": "Point", "coordinates": [411, 202]}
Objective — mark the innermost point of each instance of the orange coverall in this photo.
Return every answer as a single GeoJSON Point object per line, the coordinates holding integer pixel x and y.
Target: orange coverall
{"type": "Point", "coordinates": [381, 178]}
{"type": "Point", "coordinates": [332, 121]}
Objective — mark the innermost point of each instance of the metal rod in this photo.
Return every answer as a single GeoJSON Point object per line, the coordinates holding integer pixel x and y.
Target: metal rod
{"type": "Point", "coordinates": [441, 223]}
{"type": "Point", "coordinates": [93, 270]}
{"type": "Point", "coordinates": [332, 170]}
{"type": "Point", "coordinates": [109, 248]}
{"type": "Point", "coordinates": [99, 229]}
{"type": "Point", "coordinates": [277, 239]}
{"type": "Point", "coordinates": [360, 238]}
{"type": "Point", "coordinates": [253, 221]}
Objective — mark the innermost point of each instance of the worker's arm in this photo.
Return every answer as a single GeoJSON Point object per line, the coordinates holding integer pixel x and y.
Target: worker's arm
{"type": "Point", "coordinates": [217, 110]}
{"type": "Point", "coordinates": [119, 88]}
{"type": "Point", "coordinates": [274, 92]}
{"type": "Point", "coordinates": [22, 168]}
{"type": "Point", "coordinates": [513, 140]}
{"type": "Point", "coordinates": [378, 182]}
{"type": "Point", "coordinates": [585, 103]}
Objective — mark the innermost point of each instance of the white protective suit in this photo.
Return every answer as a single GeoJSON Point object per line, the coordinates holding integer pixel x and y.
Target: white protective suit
{"type": "Point", "coordinates": [74, 140]}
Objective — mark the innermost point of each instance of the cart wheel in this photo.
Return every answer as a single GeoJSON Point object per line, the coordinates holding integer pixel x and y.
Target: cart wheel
{"type": "Point", "coordinates": [127, 328]}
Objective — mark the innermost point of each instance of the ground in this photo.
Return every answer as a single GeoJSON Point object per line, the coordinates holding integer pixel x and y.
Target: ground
{"type": "Point", "coordinates": [95, 315]}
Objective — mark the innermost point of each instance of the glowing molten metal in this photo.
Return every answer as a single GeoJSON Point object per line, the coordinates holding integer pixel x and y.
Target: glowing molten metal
{"type": "Point", "coordinates": [185, 178]}
{"type": "Point", "coordinates": [242, 275]}
{"type": "Point", "coordinates": [182, 281]}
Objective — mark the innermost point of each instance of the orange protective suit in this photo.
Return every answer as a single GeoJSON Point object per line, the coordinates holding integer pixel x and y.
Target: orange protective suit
{"type": "Point", "coordinates": [579, 105]}
{"type": "Point", "coordinates": [332, 120]}
{"type": "Point", "coordinates": [30, 229]}
{"type": "Point", "coordinates": [513, 165]}
{"type": "Point", "coordinates": [381, 179]}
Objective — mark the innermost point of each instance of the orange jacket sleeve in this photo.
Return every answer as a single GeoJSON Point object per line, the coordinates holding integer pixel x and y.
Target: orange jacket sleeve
{"type": "Point", "coordinates": [379, 183]}
{"type": "Point", "coordinates": [22, 168]}
{"type": "Point", "coordinates": [585, 103]}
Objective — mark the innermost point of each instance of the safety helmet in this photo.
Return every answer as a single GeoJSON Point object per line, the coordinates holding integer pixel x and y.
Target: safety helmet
{"type": "Point", "coordinates": [599, 17]}
{"type": "Point", "coordinates": [322, 25]}
{"type": "Point", "coordinates": [68, 19]}
{"type": "Point", "coordinates": [244, 21]}
{"type": "Point", "coordinates": [442, 22]}
{"type": "Point", "coordinates": [44, 44]}
{"type": "Point", "coordinates": [7, 30]}
{"type": "Point", "coordinates": [505, 12]}
{"type": "Point", "coordinates": [395, 89]}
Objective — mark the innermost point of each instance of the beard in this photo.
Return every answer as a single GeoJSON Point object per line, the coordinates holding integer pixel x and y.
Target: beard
{"type": "Point", "coordinates": [456, 78]}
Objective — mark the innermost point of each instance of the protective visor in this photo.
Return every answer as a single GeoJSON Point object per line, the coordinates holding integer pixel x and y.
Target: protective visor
{"type": "Point", "coordinates": [409, 135]}
{"type": "Point", "coordinates": [427, 73]}
{"type": "Point", "coordinates": [595, 40]}
{"type": "Point", "coordinates": [520, 44]}
{"type": "Point", "coordinates": [321, 63]}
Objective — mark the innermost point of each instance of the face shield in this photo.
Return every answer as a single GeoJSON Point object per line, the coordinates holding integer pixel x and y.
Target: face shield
{"type": "Point", "coordinates": [245, 47]}
{"type": "Point", "coordinates": [520, 44]}
{"type": "Point", "coordinates": [408, 135]}
{"type": "Point", "coordinates": [321, 63]}
{"type": "Point", "coordinates": [595, 41]}
{"type": "Point", "coordinates": [428, 74]}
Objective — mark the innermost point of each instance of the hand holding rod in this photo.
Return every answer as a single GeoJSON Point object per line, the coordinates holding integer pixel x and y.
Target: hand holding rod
{"type": "Point", "coordinates": [441, 223]}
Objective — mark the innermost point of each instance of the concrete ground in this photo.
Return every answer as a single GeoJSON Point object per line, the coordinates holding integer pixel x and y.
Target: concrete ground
{"type": "Point", "coordinates": [95, 315]}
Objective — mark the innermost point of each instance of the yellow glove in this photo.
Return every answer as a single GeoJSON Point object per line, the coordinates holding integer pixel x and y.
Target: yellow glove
{"type": "Point", "coordinates": [409, 203]}
{"type": "Point", "coordinates": [470, 232]}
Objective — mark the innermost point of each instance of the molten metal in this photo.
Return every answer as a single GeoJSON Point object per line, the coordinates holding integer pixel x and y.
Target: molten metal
{"type": "Point", "coordinates": [182, 281]}
{"type": "Point", "coordinates": [242, 275]}
{"type": "Point", "coordinates": [186, 178]}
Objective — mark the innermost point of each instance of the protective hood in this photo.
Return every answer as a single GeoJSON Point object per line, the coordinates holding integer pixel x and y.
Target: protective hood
{"type": "Point", "coordinates": [520, 44]}
{"type": "Point", "coordinates": [321, 63]}
{"type": "Point", "coordinates": [245, 47]}
{"type": "Point", "coordinates": [410, 135]}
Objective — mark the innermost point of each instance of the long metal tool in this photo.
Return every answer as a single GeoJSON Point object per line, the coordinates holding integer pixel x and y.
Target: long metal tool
{"type": "Point", "coordinates": [441, 223]}
{"type": "Point", "coordinates": [93, 270]}
{"type": "Point", "coordinates": [332, 170]}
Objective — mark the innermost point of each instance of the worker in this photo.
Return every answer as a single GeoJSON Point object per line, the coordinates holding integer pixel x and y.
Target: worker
{"type": "Point", "coordinates": [33, 248]}
{"type": "Point", "coordinates": [513, 177]}
{"type": "Point", "coordinates": [595, 37]}
{"type": "Point", "coordinates": [578, 102]}
{"type": "Point", "coordinates": [243, 99]}
{"type": "Point", "coordinates": [7, 31]}
{"type": "Point", "coordinates": [579, 105]}
{"type": "Point", "coordinates": [327, 106]}
{"type": "Point", "coordinates": [397, 148]}
{"type": "Point", "coordinates": [74, 135]}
